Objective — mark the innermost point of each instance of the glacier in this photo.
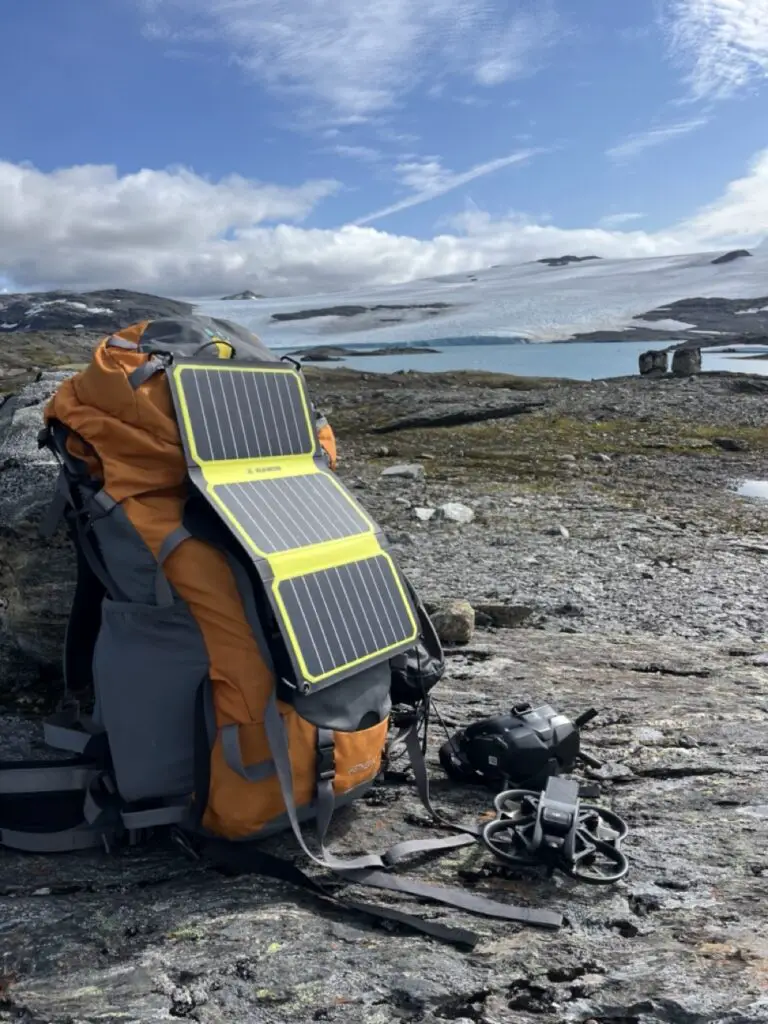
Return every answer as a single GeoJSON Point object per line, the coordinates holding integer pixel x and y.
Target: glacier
{"type": "Point", "coordinates": [530, 302]}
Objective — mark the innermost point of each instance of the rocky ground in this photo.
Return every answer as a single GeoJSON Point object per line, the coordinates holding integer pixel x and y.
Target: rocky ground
{"type": "Point", "coordinates": [598, 519]}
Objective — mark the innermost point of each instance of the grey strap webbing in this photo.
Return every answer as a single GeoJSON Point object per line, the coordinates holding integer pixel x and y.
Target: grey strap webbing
{"type": "Point", "coordinates": [458, 898]}
{"type": "Point", "coordinates": [94, 562]}
{"type": "Point", "coordinates": [142, 373]}
{"type": "Point", "coordinates": [325, 805]}
{"type": "Point", "coordinates": [67, 730]}
{"type": "Point", "coordinates": [369, 869]}
{"type": "Point", "coordinates": [46, 779]}
{"type": "Point", "coordinates": [412, 847]}
{"type": "Point", "coordinates": [50, 777]}
{"type": "Point", "coordinates": [152, 817]}
{"type": "Point", "coordinates": [104, 808]}
{"type": "Point", "coordinates": [106, 501]}
{"type": "Point", "coordinates": [163, 590]}
{"type": "Point", "coordinates": [421, 778]}
{"type": "Point", "coordinates": [115, 342]}
{"type": "Point", "coordinates": [326, 798]}
{"type": "Point", "coordinates": [278, 743]}
{"type": "Point", "coordinates": [81, 838]}
{"type": "Point", "coordinates": [174, 540]}
{"type": "Point", "coordinates": [230, 745]}
{"type": "Point", "coordinates": [94, 809]}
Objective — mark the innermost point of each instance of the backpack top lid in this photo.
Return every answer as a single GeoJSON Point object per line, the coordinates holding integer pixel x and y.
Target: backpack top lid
{"type": "Point", "coordinates": [194, 335]}
{"type": "Point", "coordinates": [134, 428]}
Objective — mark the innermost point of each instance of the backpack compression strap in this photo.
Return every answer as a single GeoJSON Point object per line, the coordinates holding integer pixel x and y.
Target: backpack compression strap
{"type": "Point", "coordinates": [373, 869]}
{"type": "Point", "coordinates": [42, 806]}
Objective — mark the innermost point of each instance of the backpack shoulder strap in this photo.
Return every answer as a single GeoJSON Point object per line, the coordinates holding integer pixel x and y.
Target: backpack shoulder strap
{"type": "Point", "coordinates": [92, 579]}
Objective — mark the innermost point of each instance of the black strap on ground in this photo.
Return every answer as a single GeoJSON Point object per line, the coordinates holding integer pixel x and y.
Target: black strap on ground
{"type": "Point", "coordinates": [244, 859]}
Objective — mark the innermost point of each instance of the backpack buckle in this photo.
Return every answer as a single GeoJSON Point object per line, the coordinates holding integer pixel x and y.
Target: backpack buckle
{"type": "Point", "coordinates": [326, 762]}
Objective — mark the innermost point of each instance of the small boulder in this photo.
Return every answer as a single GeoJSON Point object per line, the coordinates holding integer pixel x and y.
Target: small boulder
{"type": "Point", "coordinates": [504, 616]}
{"type": "Point", "coordinates": [424, 514]}
{"type": "Point", "coordinates": [653, 363]}
{"type": "Point", "coordinates": [686, 362]}
{"type": "Point", "coordinates": [455, 512]}
{"type": "Point", "coordinates": [559, 531]}
{"type": "Point", "coordinates": [404, 472]}
{"type": "Point", "coordinates": [730, 444]}
{"type": "Point", "coordinates": [454, 622]}
{"type": "Point", "coordinates": [401, 539]}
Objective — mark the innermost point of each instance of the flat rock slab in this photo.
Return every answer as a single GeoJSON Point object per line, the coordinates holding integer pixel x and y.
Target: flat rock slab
{"type": "Point", "coordinates": [146, 935]}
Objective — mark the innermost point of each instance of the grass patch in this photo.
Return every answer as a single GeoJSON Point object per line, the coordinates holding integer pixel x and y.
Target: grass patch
{"type": "Point", "coordinates": [341, 378]}
{"type": "Point", "coordinates": [533, 446]}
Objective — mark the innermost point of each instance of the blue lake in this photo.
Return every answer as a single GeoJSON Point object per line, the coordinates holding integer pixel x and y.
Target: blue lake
{"type": "Point", "coordinates": [577, 360]}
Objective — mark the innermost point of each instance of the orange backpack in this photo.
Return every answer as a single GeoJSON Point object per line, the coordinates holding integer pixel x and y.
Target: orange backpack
{"type": "Point", "coordinates": [237, 617]}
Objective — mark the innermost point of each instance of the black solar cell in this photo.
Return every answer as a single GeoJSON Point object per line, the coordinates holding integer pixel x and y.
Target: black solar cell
{"type": "Point", "coordinates": [289, 512]}
{"type": "Point", "coordinates": [241, 414]}
{"type": "Point", "coordinates": [345, 615]}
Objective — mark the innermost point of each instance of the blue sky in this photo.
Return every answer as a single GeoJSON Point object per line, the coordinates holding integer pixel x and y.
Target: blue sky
{"type": "Point", "coordinates": [363, 134]}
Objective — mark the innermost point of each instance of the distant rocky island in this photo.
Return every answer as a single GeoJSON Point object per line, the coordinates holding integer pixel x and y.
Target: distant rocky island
{"type": "Point", "coordinates": [729, 257]}
{"type": "Point", "coordinates": [431, 309]}
{"type": "Point", "coordinates": [241, 297]}
{"type": "Point", "coordinates": [337, 353]}
{"type": "Point", "coordinates": [563, 261]}
{"type": "Point", "coordinates": [703, 323]}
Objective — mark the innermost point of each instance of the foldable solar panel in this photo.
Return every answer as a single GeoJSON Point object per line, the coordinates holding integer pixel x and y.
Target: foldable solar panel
{"type": "Point", "coordinates": [252, 451]}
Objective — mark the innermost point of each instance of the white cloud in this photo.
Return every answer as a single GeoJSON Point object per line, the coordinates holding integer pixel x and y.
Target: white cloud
{"type": "Point", "coordinates": [633, 145]}
{"type": "Point", "coordinates": [741, 212]}
{"type": "Point", "coordinates": [429, 179]}
{"type": "Point", "coordinates": [617, 220]}
{"type": "Point", "coordinates": [171, 232]}
{"type": "Point", "coordinates": [723, 44]}
{"type": "Point", "coordinates": [513, 51]}
{"type": "Point", "coordinates": [96, 203]}
{"type": "Point", "coordinates": [352, 58]}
